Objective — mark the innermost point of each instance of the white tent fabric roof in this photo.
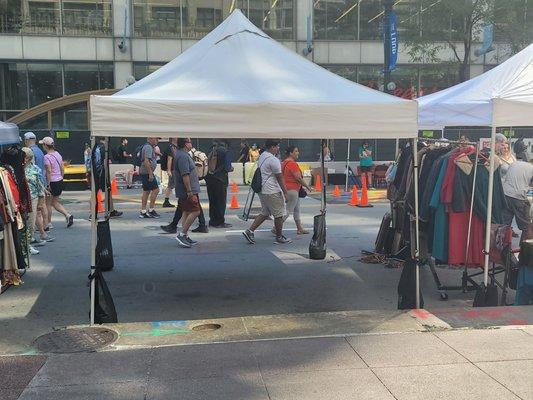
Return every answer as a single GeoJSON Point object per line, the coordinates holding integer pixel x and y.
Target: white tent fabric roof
{"type": "Point", "coordinates": [502, 96]}
{"type": "Point", "coordinates": [238, 82]}
{"type": "Point", "coordinates": [9, 133]}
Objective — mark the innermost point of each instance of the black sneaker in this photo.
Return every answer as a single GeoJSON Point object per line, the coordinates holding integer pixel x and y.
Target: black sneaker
{"type": "Point", "coordinates": [169, 228]}
{"type": "Point", "coordinates": [191, 242]}
{"type": "Point", "coordinates": [224, 225]}
{"type": "Point", "coordinates": [145, 215]}
{"type": "Point", "coordinates": [182, 241]}
{"type": "Point", "coordinates": [249, 235]}
{"type": "Point", "coordinates": [115, 214]}
{"type": "Point", "coordinates": [201, 229]}
{"type": "Point", "coordinates": [168, 204]}
{"type": "Point", "coordinates": [154, 214]}
{"type": "Point", "coordinates": [70, 221]}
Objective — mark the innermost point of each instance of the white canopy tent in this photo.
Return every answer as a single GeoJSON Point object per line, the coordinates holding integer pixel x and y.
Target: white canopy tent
{"type": "Point", "coordinates": [500, 97]}
{"type": "Point", "coordinates": [9, 133]}
{"type": "Point", "coordinates": [237, 82]}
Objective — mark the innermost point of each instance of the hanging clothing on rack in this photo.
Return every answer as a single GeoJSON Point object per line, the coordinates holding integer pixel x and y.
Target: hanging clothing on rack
{"type": "Point", "coordinates": [12, 257]}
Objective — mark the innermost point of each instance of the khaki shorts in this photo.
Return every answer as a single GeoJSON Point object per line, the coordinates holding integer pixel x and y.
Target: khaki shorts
{"type": "Point", "coordinates": [166, 181]}
{"type": "Point", "coordinates": [273, 204]}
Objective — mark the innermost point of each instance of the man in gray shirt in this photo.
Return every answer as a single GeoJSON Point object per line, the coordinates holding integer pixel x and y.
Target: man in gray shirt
{"type": "Point", "coordinates": [187, 189]}
{"type": "Point", "coordinates": [516, 184]}
{"type": "Point", "coordinates": [149, 182]}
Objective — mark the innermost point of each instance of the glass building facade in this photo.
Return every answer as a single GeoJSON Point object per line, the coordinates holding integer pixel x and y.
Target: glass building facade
{"type": "Point", "coordinates": [27, 84]}
{"type": "Point", "coordinates": [56, 17]}
{"type": "Point", "coordinates": [193, 19]}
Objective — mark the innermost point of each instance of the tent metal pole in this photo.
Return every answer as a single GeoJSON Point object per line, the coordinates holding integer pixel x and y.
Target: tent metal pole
{"type": "Point", "coordinates": [323, 145]}
{"type": "Point", "coordinates": [417, 225]}
{"type": "Point", "coordinates": [107, 203]}
{"type": "Point", "coordinates": [347, 166]}
{"type": "Point", "coordinates": [93, 236]}
{"type": "Point", "coordinates": [489, 204]}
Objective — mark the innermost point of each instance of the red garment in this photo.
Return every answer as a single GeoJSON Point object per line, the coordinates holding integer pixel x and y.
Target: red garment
{"type": "Point", "coordinates": [287, 167]}
{"type": "Point", "coordinates": [14, 189]}
{"type": "Point", "coordinates": [446, 194]}
{"type": "Point", "coordinates": [457, 235]}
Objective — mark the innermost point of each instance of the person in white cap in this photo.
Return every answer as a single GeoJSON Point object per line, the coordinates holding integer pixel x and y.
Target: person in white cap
{"type": "Point", "coordinates": [54, 171]}
{"type": "Point", "coordinates": [30, 141]}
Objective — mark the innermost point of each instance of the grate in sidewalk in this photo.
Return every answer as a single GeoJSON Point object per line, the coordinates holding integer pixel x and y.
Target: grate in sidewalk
{"type": "Point", "coordinates": [75, 340]}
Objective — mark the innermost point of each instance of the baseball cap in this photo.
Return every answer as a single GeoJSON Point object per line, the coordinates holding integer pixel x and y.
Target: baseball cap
{"type": "Point", "coordinates": [47, 141]}
{"type": "Point", "coordinates": [29, 135]}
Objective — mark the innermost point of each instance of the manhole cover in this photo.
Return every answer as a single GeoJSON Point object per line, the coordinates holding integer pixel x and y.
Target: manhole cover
{"type": "Point", "coordinates": [75, 340]}
{"type": "Point", "coordinates": [206, 327]}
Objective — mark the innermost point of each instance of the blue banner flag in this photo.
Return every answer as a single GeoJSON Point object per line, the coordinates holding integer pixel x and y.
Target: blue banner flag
{"type": "Point", "coordinates": [393, 57]}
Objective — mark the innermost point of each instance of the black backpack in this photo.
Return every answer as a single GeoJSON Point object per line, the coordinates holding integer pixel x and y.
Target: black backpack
{"type": "Point", "coordinates": [257, 180]}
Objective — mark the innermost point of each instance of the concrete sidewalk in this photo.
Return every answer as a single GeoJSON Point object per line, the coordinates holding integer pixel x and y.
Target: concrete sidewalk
{"type": "Point", "coordinates": [456, 364]}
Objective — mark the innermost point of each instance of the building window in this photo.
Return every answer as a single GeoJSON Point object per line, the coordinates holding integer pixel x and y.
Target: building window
{"type": "Point", "coordinates": [275, 18]}
{"type": "Point", "coordinates": [45, 82]}
{"type": "Point", "coordinates": [87, 18]}
{"type": "Point", "coordinates": [336, 20]}
{"type": "Point", "coordinates": [140, 70]}
{"type": "Point", "coordinates": [193, 19]}
{"type": "Point", "coordinates": [81, 17]}
{"type": "Point", "coordinates": [369, 20]}
{"type": "Point", "coordinates": [43, 17]}
{"type": "Point", "coordinates": [24, 85]}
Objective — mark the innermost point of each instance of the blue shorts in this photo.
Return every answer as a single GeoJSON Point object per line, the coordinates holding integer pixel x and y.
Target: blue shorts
{"type": "Point", "coordinates": [149, 185]}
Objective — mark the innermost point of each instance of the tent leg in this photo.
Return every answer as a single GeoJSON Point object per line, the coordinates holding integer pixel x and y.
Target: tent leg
{"type": "Point", "coordinates": [489, 205]}
{"type": "Point", "coordinates": [417, 226]}
{"type": "Point", "coordinates": [347, 166]}
{"type": "Point", "coordinates": [93, 238]}
{"type": "Point", "coordinates": [324, 144]}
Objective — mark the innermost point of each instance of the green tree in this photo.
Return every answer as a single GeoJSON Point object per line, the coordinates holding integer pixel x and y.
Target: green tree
{"type": "Point", "coordinates": [436, 25]}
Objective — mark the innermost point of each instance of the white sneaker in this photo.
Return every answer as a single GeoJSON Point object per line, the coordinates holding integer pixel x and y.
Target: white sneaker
{"type": "Point", "coordinates": [33, 251]}
{"type": "Point", "coordinates": [282, 240]}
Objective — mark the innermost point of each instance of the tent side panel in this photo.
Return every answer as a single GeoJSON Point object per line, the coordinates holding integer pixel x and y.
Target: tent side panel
{"type": "Point", "coordinates": [513, 113]}
{"type": "Point", "coordinates": [125, 117]}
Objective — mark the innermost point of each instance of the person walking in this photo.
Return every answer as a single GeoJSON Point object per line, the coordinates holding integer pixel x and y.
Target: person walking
{"type": "Point", "coordinates": [253, 154]}
{"type": "Point", "coordinates": [366, 163]}
{"type": "Point", "coordinates": [217, 184]}
{"type": "Point", "coordinates": [187, 190]}
{"type": "Point", "coordinates": [37, 190]}
{"type": "Point", "coordinates": [166, 170]}
{"type": "Point", "coordinates": [150, 186]}
{"type": "Point", "coordinates": [294, 183]}
{"type": "Point", "coordinates": [273, 194]}
{"type": "Point", "coordinates": [101, 173]}
{"type": "Point", "coordinates": [30, 140]}
{"type": "Point", "coordinates": [244, 156]}
{"type": "Point", "coordinates": [123, 156]}
{"type": "Point", "coordinates": [516, 184]}
{"type": "Point", "coordinates": [54, 172]}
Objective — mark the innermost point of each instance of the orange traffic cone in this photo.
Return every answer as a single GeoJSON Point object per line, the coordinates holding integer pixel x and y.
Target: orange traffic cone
{"type": "Point", "coordinates": [114, 187]}
{"type": "Point", "coordinates": [355, 200]}
{"type": "Point", "coordinates": [234, 203]}
{"type": "Point", "coordinates": [100, 202]}
{"type": "Point", "coordinates": [318, 183]}
{"type": "Point", "coordinates": [364, 194]}
{"type": "Point", "coordinates": [234, 188]}
{"type": "Point", "coordinates": [336, 191]}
